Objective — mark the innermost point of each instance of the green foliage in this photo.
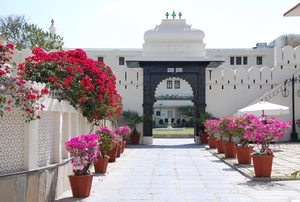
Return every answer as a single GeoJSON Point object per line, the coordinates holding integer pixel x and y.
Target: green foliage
{"type": "Point", "coordinates": [178, 121]}
{"type": "Point", "coordinates": [133, 119]}
{"type": "Point", "coordinates": [24, 35]}
{"type": "Point", "coordinates": [108, 140]}
{"type": "Point", "coordinates": [201, 117]}
{"type": "Point", "coordinates": [172, 120]}
{"type": "Point", "coordinates": [295, 175]}
{"type": "Point", "coordinates": [186, 111]}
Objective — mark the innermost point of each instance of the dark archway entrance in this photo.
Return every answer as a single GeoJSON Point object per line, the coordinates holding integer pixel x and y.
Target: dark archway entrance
{"type": "Point", "coordinates": [191, 71]}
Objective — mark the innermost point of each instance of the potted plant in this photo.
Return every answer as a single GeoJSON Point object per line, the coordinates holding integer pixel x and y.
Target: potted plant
{"type": "Point", "coordinates": [85, 151]}
{"type": "Point", "coordinates": [199, 120]}
{"type": "Point", "coordinates": [212, 128]}
{"type": "Point", "coordinates": [108, 140]}
{"type": "Point", "coordinates": [229, 144]}
{"type": "Point", "coordinates": [263, 131]}
{"type": "Point", "coordinates": [237, 127]}
{"type": "Point", "coordinates": [124, 133]}
{"type": "Point", "coordinates": [133, 118]}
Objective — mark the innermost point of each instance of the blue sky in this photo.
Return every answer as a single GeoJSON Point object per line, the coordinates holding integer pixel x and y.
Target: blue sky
{"type": "Point", "coordinates": [122, 23]}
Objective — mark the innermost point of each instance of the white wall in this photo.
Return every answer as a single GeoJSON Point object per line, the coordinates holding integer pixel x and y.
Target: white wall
{"type": "Point", "coordinates": [227, 88]}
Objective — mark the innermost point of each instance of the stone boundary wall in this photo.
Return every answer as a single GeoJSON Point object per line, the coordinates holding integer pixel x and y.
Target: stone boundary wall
{"type": "Point", "coordinates": [42, 184]}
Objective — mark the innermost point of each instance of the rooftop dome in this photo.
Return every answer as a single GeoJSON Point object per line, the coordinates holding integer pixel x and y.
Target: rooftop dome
{"type": "Point", "coordinates": [173, 38]}
{"type": "Point", "coordinates": [174, 31]}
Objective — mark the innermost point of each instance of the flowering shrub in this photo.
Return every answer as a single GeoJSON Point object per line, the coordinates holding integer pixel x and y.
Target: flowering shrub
{"type": "Point", "coordinates": [5, 52]}
{"type": "Point", "coordinates": [264, 130]}
{"type": "Point", "coordinates": [89, 86]}
{"type": "Point", "coordinates": [224, 129]}
{"type": "Point", "coordinates": [85, 151]}
{"type": "Point", "coordinates": [238, 126]}
{"type": "Point", "coordinates": [108, 140]}
{"type": "Point", "coordinates": [15, 91]}
{"type": "Point", "coordinates": [211, 127]}
{"type": "Point", "coordinates": [123, 131]}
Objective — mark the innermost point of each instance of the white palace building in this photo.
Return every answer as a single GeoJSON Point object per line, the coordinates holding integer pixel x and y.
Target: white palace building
{"type": "Point", "coordinates": [234, 78]}
{"type": "Point", "coordinates": [175, 69]}
{"type": "Point", "coordinates": [172, 69]}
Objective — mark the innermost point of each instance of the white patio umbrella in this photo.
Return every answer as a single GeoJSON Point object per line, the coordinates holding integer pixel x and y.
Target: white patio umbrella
{"type": "Point", "coordinates": [265, 108]}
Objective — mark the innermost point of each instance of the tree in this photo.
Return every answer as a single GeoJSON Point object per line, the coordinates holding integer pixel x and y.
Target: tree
{"type": "Point", "coordinates": [17, 30]}
{"type": "Point", "coordinates": [292, 40]}
{"type": "Point", "coordinates": [186, 111]}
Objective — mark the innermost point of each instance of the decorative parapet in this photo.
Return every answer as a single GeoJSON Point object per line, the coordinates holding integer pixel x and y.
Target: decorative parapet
{"type": "Point", "coordinates": [286, 56]}
{"type": "Point", "coordinates": [174, 97]}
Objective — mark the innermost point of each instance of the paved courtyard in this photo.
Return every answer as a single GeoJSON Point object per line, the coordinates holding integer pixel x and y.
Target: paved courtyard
{"type": "Point", "coordinates": [179, 170]}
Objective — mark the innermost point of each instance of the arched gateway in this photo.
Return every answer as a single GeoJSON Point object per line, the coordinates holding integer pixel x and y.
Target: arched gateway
{"type": "Point", "coordinates": [173, 49]}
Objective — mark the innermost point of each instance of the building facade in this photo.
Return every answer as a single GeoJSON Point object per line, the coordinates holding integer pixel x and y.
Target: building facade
{"type": "Point", "coordinates": [246, 76]}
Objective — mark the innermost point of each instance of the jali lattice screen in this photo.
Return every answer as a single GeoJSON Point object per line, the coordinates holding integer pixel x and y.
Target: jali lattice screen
{"type": "Point", "coordinates": [12, 142]}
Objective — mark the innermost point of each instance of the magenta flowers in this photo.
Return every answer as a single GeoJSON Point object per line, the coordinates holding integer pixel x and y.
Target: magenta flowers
{"type": "Point", "coordinates": [263, 131]}
{"type": "Point", "coordinates": [108, 140]}
{"type": "Point", "coordinates": [212, 127]}
{"type": "Point", "coordinates": [123, 131]}
{"type": "Point", "coordinates": [85, 151]}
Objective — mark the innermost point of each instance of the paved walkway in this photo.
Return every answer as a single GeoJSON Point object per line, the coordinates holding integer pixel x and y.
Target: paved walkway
{"type": "Point", "coordinates": [178, 170]}
{"type": "Point", "coordinates": [286, 161]}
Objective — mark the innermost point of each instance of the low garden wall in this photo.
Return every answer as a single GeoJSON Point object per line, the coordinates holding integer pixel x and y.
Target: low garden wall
{"type": "Point", "coordinates": [42, 184]}
{"type": "Point", "coordinates": [34, 164]}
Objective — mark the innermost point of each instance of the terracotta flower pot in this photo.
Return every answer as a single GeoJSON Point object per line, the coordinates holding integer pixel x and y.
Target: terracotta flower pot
{"type": "Point", "coordinates": [112, 154]}
{"type": "Point", "coordinates": [244, 154]}
{"type": "Point", "coordinates": [119, 148]}
{"type": "Point", "coordinates": [135, 139]}
{"type": "Point", "coordinates": [123, 146]}
{"type": "Point", "coordinates": [101, 165]}
{"type": "Point", "coordinates": [229, 150]}
{"type": "Point", "coordinates": [212, 142]}
{"type": "Point", "coordinates": [203, 138]}
{"type": "Point", "coordinates": [81, 185]}
{"type": "Point", "coordinates": [219, 145]}
{"type": "Point", "coordinates": [262, 165]}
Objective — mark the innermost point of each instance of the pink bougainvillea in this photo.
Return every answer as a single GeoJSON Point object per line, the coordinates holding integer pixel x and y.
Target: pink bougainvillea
{"type": "Point", "coordinates": [85, 151]}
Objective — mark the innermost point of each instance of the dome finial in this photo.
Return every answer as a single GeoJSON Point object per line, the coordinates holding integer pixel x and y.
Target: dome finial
{"type": "Point", "coordinates": [167, 15]}
{"type": "Point", "coordinates": [173, 14]}
{"type": "Point", "coordinates": [52, 29]}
